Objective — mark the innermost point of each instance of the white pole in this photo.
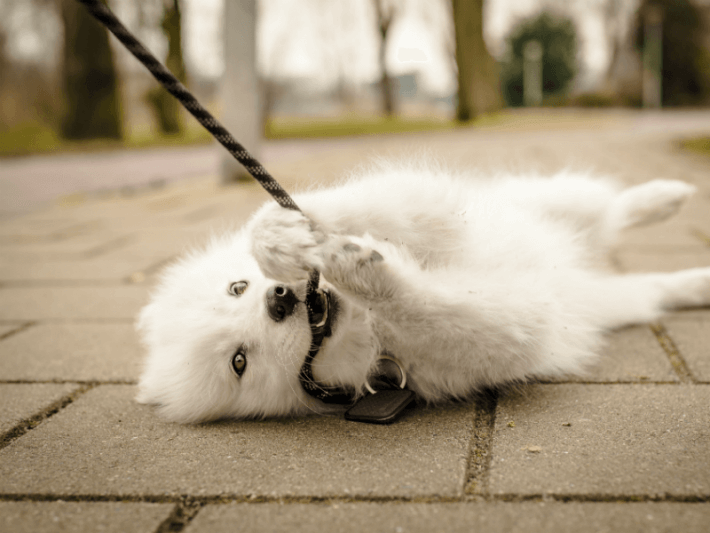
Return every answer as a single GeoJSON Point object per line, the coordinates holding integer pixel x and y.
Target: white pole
{"type": "Point", "coordinates": [239, 88]}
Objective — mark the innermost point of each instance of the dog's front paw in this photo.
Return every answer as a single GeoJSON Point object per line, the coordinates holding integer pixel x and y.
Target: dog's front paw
{"type": "Point", "coordinates": [355, 265]}
{"type": "Point", "coordinates": [286, 244]}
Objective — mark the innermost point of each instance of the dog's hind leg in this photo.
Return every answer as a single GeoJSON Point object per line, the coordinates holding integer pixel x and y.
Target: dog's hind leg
{"type": "Point", "coordinates": [640, 205]}
{"type": "Point", "coordinates": [576, 198]}
{"type": "Point", "coordinates": [600, 209]}
{"type": "Point", "coordinates": [648, 203]}
{"type": "Point", "coordinates": [617, 301]}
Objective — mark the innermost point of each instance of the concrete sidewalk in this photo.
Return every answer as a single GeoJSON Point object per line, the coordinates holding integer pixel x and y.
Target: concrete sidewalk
{"type": "Point", "coordinates": [625, 449]}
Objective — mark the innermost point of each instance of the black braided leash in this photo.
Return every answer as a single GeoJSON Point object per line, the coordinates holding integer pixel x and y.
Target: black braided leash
{"type": "Point", "coordinates": [103, 14]}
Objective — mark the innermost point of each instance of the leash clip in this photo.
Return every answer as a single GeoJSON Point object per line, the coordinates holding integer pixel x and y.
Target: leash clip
{"type": "Point", "coordinates": [383, 405]}
{"type": "Point", "coordinates": [387, 381]}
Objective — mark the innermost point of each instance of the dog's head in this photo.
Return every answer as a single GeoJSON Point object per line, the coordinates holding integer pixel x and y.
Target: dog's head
{"type": "Point", "coordinates": [224, 341]}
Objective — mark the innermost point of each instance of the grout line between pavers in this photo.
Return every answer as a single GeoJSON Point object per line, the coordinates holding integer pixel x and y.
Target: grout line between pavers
{"type": "Point", "coordinates": [83, 382]}
{"type": "Point", "coordinates": [203, 213]}
{"type": "Point", "coordinates": [479, 453]}
{"type": "Point", "coordinates": [611, 383]}
{"type": "Point", "coordinates": [140, 276]}
{"type": "Point", "coordinates": [479, 422]}
{"type": "Point", "coordinates": [638, 381]}
{"type": "Point", "coordinates": [699, 234]}
{"type": "Point", "coordinates": [192, 504]}
{"type": "Point", "coordinates": [134, 382]}
{"type": "Point", "coordinates": [227, 498]}
{"type": "Point", "coordinates": [137, 277]}
{"type": "Point", "coordinates": [29, 283]}
{"type": "Point", "coordinates": [32, 422]}
{"type": "Point", "coordinates": [679, 365]}
{"type": "Point", "coordinates": [93, 252]}
{"type": "Point", "coordinates": [180, 517]}
{"type": "Point", "coordinates": [42, 321]}
{"type": "Point", "coordinates": [18, 329]}
{"type": "Point", "coordinates": [603, 498]}
{"type": "Point", "coordinates": [113, 244]}
{"type": "Point", "coordinates": [66, 233]}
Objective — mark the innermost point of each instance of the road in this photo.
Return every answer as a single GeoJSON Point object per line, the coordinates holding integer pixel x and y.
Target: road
{"type": "Point", "coordinates": [28, 183]}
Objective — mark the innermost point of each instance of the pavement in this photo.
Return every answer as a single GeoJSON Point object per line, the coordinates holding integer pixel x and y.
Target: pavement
{"type": "Point", "coordinates": [625, 448]}
{"type": "Point", "coordinates": [34, 182]}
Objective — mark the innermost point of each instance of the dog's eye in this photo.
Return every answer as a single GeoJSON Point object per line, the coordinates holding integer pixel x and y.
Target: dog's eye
{"type": "Point", "coordinates": [239, 362]}
{"type": "Point", "coordinates": [237, 288]}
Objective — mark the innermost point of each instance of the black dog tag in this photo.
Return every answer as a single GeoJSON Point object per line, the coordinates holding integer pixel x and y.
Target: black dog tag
{"type": "Point", "coordinates": [384, 407]}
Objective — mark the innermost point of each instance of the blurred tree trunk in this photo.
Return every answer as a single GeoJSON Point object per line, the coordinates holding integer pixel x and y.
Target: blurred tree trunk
{"type": "Point", "coordinates": [89, 77]}
{"type": "Point", "coordinates": [165, 106]}
{"type": "Point", "coordinates": [6, 106]}
{"type": "Point", "coordinates": [479, 87]}
{"type": "Point", "coordinates": [385, 15]}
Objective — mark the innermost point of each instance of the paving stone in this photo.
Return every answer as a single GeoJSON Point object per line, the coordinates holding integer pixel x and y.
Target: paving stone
{"type": "Point", "coordinates": [116, 266]}
{"type": "Point", "coordinates": [88, 352]}
{"type": "Point", "coordinates": [77, 247]}
{"type": "Point", "coordinates": [690, 331]}
{"type": "Point", "coordinates": [654, 261]}
{"type": "Point", "coordinates": [236, 201]}
{"type": "Point", "coordinates": [170, 206]}
{"type": "Point", "coordinates": [81, 517]}
{"type": "Point", "coordinates": [166, 242]}
{"type": "Point", "coordinates": [631, 355]}
{"type": "Point", "coordinates": [68, 303]}
{"type": "Point", "coordinates": [45, 229]}
{"type": "Point", "coordinates": [696, 210]}
{"type": "Point", "coordinates": [19, 401]}
{"type": "Point", "coordinates": [105, 443]}
{"type": "Point", "coordinates": [114, 259]}
{"type": "Point", "coordinates": [85, 447]}
{"type": "Point", "coordinates": [524, 517]}
{"type": "Point", "coordinates": [603, 440]}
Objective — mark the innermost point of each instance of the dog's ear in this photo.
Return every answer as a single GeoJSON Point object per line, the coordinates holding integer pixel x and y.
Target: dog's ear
{"type": "Point", "coordinates": [144, 320]}
{"type": "Point", "coordinates": [145, 397]}
{"type": "Point", "coordinates": [148, 387]}
{"type": "Point", "coordinates": [155, 386]}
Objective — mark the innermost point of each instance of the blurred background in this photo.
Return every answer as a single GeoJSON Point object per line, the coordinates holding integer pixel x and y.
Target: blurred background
{"type": "Point", "coordinates": [325, 68]}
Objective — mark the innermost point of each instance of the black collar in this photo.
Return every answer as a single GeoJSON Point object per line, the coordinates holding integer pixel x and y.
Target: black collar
{"type": "Point", "coordinates": [317, 305]}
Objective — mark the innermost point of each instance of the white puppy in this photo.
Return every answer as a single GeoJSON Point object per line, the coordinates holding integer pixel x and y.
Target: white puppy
{"type": "Point", "coordinates": [469, 283]}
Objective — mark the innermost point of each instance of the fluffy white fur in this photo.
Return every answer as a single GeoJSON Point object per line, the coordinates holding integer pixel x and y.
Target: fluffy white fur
{"type": "Point", "coordinates": [475, 283]}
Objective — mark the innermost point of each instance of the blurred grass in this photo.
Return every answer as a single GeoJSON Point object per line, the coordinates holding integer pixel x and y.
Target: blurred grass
{"type": "Point", "coordinates": [699, 144]}
{"type": "Point", "coordinates": [353, 125]}
{"type": "Point", "coordinates": [36, 138]}
{"type": "Point", "coordinates": [503, 120]}
{"type": "Point", "coordinates": [30, 137]}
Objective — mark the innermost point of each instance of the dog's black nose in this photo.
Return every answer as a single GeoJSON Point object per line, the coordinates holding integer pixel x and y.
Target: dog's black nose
{"type": "Point", "coordinates": [280, 301]}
